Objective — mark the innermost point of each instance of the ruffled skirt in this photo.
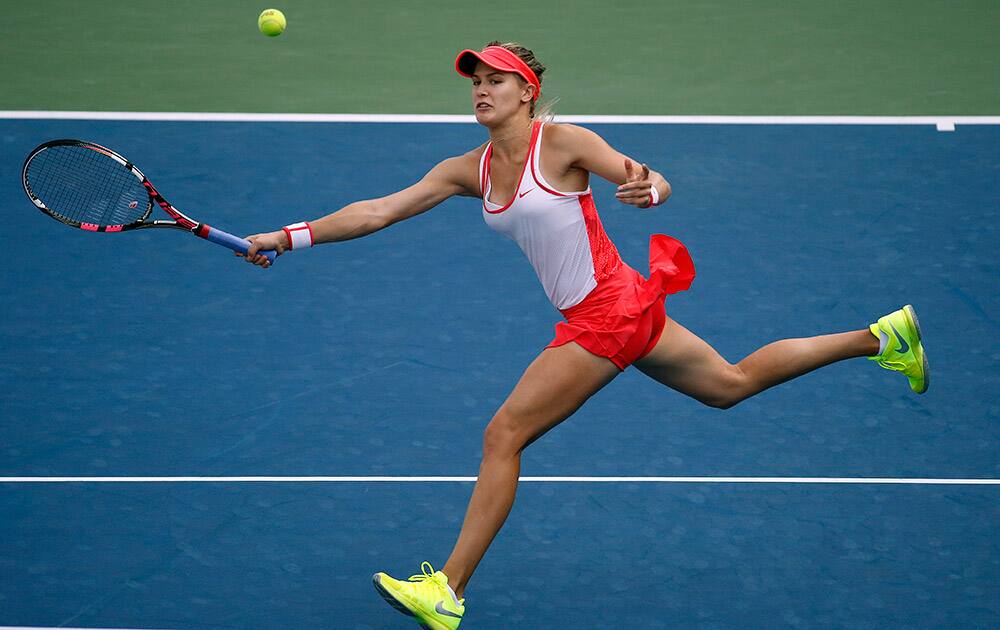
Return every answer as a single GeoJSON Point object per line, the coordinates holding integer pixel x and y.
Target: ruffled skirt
{"type": "Point", "coordinates": [623, 317]}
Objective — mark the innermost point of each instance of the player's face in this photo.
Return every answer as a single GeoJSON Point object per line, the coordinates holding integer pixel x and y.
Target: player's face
{"type": "Point", "coordinates": [497, 95]}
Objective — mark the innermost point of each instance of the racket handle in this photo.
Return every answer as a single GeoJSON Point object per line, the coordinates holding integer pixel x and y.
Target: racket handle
{"type": "Point", "coordinates": [226, 239]}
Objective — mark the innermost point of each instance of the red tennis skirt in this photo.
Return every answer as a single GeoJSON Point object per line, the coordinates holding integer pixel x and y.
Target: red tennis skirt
{"type": "Point", "coordinates": [623, 317]}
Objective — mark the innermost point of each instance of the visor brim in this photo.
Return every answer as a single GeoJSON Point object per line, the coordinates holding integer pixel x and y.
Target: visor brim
{"type": "Point", "coordinates": [465, 63]}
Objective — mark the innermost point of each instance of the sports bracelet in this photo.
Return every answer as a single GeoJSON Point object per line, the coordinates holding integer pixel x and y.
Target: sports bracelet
{"type": "Point", "coordinates": [654, 196]}
{"type": "Point", "coordinates": [299, 235]}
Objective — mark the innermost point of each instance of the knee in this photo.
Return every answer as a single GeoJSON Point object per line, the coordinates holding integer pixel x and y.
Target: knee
{"type": "Point", "coordinates": [730, 389]}
{"type": "Point", "coordinates": [501, 437]}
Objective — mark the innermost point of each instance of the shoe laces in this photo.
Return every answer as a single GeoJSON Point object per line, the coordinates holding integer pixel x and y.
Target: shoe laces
{"type": "Point", "coordinates": [428, 575]}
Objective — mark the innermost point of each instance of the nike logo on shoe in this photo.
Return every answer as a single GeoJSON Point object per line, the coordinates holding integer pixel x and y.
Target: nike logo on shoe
{"type": "Point", "coordinates": [903, 346]}
{"type": "Point", "coordinates": [440, 609]}
{"type": "Point", "coordinates": [525, 192]}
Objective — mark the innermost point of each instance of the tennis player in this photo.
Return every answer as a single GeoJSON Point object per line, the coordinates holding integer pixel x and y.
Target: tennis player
{"type": "Point", "coordinates": [533, 179]}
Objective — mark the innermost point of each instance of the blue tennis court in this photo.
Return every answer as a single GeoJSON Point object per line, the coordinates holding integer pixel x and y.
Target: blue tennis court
{"type": "Point", "coordinates": [153, 354]}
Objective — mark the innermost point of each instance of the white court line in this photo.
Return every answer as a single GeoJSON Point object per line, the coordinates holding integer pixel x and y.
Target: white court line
{"type": "Point", "coordinates": [941, 122]}
{"type": "Point", "coordinates": [411, 479]}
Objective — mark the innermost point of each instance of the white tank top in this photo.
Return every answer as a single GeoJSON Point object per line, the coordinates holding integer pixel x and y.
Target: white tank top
{"type": "Point", "coordinates": [560, 233]}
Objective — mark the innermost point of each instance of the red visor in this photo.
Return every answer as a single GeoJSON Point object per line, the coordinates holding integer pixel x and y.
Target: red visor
{"type": "Point", "coordinates": [499, 58]}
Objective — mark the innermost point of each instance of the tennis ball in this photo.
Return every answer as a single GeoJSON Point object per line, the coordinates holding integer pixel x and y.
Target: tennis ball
{"type": "Point", "coordinates": [271, 22]}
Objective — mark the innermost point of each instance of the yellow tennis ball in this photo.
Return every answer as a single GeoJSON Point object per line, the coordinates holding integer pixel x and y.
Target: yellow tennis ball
{"type": "Point", "coordinates": [271, 22]}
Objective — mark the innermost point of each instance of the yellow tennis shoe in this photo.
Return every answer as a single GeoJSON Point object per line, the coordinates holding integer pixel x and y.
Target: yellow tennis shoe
{"type": "Point", "coordinates": [426, 596]}
{"type": "Point", "coordinates": [899, 338]}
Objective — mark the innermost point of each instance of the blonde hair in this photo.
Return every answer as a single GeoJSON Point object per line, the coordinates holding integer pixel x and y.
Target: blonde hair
{"type": "Point", "coordinates": [545, 112]}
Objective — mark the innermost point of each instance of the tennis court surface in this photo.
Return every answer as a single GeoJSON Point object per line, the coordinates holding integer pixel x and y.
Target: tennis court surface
{"type": "Point", "coordinates": [332, 407]}
{"type": "Point", "coordinates": [188, 442]}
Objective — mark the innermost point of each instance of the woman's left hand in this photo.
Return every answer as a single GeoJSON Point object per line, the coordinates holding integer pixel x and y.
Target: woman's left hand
{"type": "Point", "coordinates": [635, 190]}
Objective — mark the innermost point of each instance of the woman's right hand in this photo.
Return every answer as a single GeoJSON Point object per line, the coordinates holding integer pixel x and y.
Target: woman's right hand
{"type": "Point", "coordinates": [277, 241]}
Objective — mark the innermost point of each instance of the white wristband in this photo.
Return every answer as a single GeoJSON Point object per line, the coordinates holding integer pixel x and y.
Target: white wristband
{"type": "Point", "coordinates": [300, 235]}
{"type": "Point", "coordinates": [654, 196]}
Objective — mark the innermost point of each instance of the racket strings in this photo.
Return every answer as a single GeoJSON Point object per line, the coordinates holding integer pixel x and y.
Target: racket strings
{"type": "Point", "coordinates": [85, 186]}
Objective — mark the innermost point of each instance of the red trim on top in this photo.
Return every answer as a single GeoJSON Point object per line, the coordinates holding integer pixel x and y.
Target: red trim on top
{"type": "Point", "coordinates": [482, 171]}
{"type": "Point", "coordinates": [288, 233]}
{"type": "Point", "coordinates": [546, 188]}
{"type": "Point", "coordinates": [534, 176]}
{"type": "Point", "coordinates": [531, 149]}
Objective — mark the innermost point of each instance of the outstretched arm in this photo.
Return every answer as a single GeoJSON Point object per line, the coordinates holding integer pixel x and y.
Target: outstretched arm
{"type": "Point", "coordinates": [361, 218]}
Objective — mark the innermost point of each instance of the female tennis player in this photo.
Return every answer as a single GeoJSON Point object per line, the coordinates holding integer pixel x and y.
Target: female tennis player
{"type": "Point", "coordinates": [532, 177]}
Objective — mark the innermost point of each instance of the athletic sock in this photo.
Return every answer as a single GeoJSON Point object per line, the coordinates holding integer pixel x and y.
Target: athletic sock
{"type": "Point", "coordinates": [453, 596]}
{"type": "Point", "coordinates": [883, 340]}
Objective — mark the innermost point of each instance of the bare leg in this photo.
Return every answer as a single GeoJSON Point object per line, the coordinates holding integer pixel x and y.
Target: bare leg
{"type": "Point", "coordinates": [683, 361]}
{"type": "Point", "coordinates": [554, 386]}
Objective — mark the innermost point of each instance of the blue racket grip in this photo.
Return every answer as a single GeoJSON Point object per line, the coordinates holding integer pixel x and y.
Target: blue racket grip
{"type": "Point", "coordinates": [234, 243]}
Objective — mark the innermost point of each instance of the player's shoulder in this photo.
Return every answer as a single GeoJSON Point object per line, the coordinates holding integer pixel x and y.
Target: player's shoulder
{"type": "Point", "coordinates": [475, 155]}
{"type": "Point", "coordinates": [567, 136]}
{"type": "Point", "coordinates": [461, 170]}
{"type": "Point", "coordinates": [459, 164]}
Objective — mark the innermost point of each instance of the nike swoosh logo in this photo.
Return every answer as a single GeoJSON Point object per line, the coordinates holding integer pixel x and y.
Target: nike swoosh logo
{"type": "Point", "coordinates": [903, 346]}
{"type": "Point", "coordinates": [525, 193]}
{"type": "Point", "coordinates": [447, 613]}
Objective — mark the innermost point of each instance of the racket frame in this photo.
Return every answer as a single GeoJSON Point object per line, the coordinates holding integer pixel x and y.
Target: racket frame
{"type": "Point", "coordinates": [180, 221]}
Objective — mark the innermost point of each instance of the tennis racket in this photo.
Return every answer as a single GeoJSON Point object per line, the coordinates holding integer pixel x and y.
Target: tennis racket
{"type": "Point", "coordinates": [90, 187]}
